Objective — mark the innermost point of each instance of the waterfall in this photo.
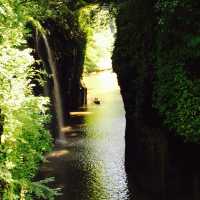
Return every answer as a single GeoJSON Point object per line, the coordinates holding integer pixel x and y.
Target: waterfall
{"type": "Point", "coordinates": [37, 40]}
{"type": "Point", "coordinates": [56, 87]}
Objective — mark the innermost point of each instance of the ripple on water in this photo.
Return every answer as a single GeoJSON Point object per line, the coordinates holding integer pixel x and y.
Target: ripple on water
{"type": "Point", "coordinates": [90, 166]}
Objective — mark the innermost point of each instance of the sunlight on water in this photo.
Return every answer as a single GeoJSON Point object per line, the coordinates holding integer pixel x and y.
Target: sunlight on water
{"type": "Point", "coordinates": [100, 84]}
{"type": "Point", "coordinates": [90, 165]}
{"type": "Point", "coordinates": [80, 113]}
{"type": "Point", "coordinates": [105, 133]}
{"type": "Point", "coordinates": [58, 153]}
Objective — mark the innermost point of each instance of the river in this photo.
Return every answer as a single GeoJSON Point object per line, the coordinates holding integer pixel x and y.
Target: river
{"type": "Point", "coordinates": [89, 163]}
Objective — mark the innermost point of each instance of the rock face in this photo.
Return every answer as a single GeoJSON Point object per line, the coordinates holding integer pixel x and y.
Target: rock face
{"type": "Point", "coordinates": [154, 57]}
{"type": "Point", "coordinates": [68, 47]}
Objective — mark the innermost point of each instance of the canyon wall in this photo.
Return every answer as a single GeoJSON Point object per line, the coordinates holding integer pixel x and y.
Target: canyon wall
{"type": "Point", "coordinates": [67, 44]}
{"type": "Point", "coordinates": [156, 58]}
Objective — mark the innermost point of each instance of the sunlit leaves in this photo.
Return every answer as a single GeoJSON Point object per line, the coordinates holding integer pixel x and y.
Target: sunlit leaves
{"type": "Point", "coordinates": [96, 23]}
{"type": "Point", "coordinates": [23, 137]}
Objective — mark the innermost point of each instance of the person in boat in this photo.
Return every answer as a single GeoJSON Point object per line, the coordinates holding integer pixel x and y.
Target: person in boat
{"type": "Point", "coordinates": [96, 100]}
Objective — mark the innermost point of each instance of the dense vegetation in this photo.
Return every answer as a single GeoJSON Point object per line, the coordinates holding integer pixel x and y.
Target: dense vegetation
{"type": "Point", "coordinates": [177, 73]}
{"type": "Point", "coordinates": [156, 57]}
{"type": "Point", "coordinates": [98, 24]}
{"type": "Point", "coordinates": [24, 117]}
{"type": "Point", "coordinates": [162, 48]}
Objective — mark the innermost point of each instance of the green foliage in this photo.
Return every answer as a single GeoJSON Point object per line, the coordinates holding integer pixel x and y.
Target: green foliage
{"type": "Point", "coordinates": [41, 191]}
{"type": "Point", "coordinates": [24, 117]}
{"type": "Point", "coordinates": [133, 54]}
{"type": "Point", "coordinates": [24, 139]}
{"type": "Point", "coordinates": [176, 92]}
{"type": "Point", "coordinates": [96, 21]}
{"type": "Point", "coordinates": [159, 59]}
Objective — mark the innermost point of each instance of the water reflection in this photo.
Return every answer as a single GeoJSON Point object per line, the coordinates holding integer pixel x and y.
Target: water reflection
{"type": "Point", "coordinates": [89, 165]}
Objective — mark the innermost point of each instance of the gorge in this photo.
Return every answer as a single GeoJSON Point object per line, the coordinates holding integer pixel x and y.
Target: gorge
{"type": "Point", "coordinates": [156, 60]}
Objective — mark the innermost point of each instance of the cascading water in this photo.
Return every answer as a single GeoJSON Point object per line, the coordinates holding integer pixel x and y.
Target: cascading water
{"type": "Point", "coordinates": [37, 42]}
{"type": "Point", "coordinates": [56, 88]}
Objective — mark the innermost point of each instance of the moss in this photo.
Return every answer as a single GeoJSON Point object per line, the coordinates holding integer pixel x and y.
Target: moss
{"type": "Point", "coordinates": [154, 63]}
{"type": "Point", "coordinates": [176, 95]}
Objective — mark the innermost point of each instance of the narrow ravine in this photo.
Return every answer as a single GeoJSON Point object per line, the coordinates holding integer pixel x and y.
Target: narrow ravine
{"type": "Point", "coordinates": [89, 164]}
